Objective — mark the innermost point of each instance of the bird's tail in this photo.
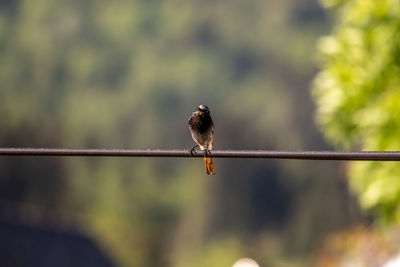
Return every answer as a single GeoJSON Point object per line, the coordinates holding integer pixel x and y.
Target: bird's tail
{"type": "Point", "coordinates": [208, 162]}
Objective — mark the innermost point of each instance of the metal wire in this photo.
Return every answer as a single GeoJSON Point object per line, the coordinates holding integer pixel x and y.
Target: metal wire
{"type": "Point", "coordinates": [305, 155]}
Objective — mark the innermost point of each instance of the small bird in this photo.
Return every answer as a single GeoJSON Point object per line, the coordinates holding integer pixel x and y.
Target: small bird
{"type": "Point", "coordinates": [201, 127]}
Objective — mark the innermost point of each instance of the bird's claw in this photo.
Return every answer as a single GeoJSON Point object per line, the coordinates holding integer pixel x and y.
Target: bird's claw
{"type": "Point", "coordinates": [192, 150]}
{"type": "Point", "coordinates": [207, 153]}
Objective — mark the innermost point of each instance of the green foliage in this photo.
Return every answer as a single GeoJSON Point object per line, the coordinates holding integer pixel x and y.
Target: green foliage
{"type": "Point", "coordinates": [358, 95]}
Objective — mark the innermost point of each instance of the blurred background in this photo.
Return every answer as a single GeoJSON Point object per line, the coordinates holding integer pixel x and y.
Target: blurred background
{"type": "Point", "coordinates": [127, 74]}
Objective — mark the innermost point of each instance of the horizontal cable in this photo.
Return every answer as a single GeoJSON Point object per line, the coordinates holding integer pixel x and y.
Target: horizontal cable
{"type": "Point", "coordinates": [309, 155]}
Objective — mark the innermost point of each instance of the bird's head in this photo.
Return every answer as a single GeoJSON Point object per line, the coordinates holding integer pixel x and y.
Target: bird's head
{"type": "Point", "coordinates": [203, 109]}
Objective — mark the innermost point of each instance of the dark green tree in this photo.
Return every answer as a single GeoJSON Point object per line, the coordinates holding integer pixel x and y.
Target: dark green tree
{"type": "Point", "coordinates": [127, 74]}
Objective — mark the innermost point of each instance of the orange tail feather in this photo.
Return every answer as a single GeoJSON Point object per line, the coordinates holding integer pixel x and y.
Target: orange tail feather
{"type": "Point", "coordinates": [208, 162]}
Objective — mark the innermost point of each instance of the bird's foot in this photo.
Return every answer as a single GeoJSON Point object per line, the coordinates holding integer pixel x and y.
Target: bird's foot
{"type": "Point", "coordinates": [192, 150]}
{"type": "Point", "coordinates": [207, 153]}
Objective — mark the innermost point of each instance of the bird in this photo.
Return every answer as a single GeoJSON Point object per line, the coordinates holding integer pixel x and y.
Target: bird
{"type": "Point", "coordinates": [201, 127]}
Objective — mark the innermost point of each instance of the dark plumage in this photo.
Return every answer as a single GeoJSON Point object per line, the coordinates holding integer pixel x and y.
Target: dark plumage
{"type": "Point", "coordinates": [202, 129]}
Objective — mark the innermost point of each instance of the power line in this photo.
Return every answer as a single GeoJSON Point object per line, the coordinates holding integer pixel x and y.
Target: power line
{"type": "Point", "coordinates": [305, 155]}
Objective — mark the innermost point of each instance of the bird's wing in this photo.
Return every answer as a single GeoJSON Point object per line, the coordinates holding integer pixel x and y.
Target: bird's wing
{"type": "Point", "coordinates": [190, 118]}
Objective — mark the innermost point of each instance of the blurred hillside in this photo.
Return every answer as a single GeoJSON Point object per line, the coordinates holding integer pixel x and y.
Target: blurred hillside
{"type": "Point", "coordinates": [127, 74]}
